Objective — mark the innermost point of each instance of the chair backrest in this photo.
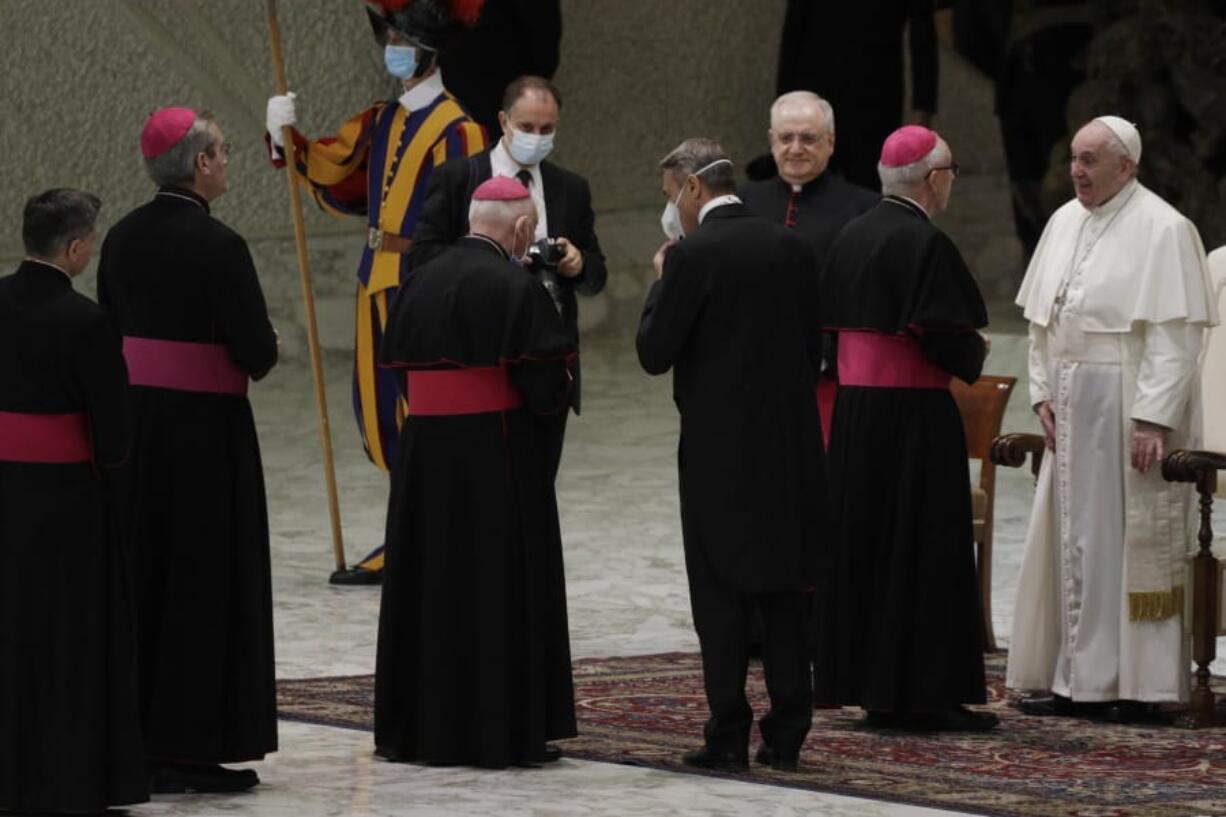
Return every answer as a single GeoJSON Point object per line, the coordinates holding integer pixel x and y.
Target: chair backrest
{"type": "Point", "coordinates": [983, 410]}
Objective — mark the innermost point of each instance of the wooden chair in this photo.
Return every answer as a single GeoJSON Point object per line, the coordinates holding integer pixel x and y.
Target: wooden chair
{"type": "Point", "coordinates": [1205, 581]}
{"type": "Point", "coordinates": [983, 410]}
{"type": "Point", "coordinates": [1201, 467]}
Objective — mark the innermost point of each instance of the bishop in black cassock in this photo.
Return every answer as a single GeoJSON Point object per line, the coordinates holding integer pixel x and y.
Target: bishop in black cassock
{"type": "Point", "coordinates": [474, 659]}
{"type": "Point", "coordinates": [898, 627]}
{"type": "Point", "coordinates": [69, 723]}
{"type": "Point", "coordinates": [184, 293]}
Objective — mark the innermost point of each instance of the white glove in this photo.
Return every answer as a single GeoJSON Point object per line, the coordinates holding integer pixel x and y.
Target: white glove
{"type": "Point", "coordinates": [280, 113]}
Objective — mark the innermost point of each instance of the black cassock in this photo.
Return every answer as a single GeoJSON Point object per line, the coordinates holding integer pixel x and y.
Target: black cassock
{"type": "Point", "coordinates": [818, 211]}
{"type": "Point", "coordinates": [69, 722]}
{"type": "Point", "coordinates": [198, 520]}
{"type": "Point", "coordinates": [474, 657]}
{"type": "Point", "coordinates": [733, 317]}
{"type": "Point", "coordinates": [899, 626]}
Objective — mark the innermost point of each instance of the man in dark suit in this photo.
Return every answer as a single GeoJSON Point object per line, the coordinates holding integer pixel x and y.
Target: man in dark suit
{"type": "Point", "coordinates": [732, 315]}
{"type": "Point", "coordinates": [852, 54]}
{"type": "Point", "coordinates": [529, 120]}
{"type": "Point", "coordinates": [511, 39]}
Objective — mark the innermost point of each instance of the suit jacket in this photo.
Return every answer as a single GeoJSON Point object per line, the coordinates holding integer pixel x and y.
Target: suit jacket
{"type": "Point", "coordinates": [568, 209]}
{"type": "Point", "coordinates": [732, 316]}
{"type": "Point", "coordinates": [512, 38]}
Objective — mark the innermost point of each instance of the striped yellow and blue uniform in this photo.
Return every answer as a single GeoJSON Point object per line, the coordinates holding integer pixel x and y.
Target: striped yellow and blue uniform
{"type": "Point", "coordinates": [378, 166]}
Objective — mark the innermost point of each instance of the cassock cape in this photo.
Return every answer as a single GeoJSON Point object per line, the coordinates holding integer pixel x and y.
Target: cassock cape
{"type": "Point", "coordinates": [474, 658]}
{"type": "Point", "coordinates": [823, 207]}
{"type": "Point", "coordinates": [898, 621]}
{"type": "Point", "coordinates": [198, 521]}
{"type": "Point", "coordinates": [69, 721]}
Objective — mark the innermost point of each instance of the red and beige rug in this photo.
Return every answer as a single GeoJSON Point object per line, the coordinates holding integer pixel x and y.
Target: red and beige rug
{"type": "Point", "coordinates": [647, 710]}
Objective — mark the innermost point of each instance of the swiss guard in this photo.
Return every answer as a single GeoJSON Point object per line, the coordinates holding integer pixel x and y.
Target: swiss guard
{"type": "Point", "coordinates": [378, 167]}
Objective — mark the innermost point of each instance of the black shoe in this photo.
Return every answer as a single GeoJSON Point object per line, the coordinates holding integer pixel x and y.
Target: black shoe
{"type": "Point", "coordinates": [953, 719]}
{"type": "Point", "coordinates": [356, 576]}
{"type": "Point", "coordinates": [877, 719]}
{"type": "Point", "coordinates": [178, 778]}
{"type": "Point", "coordinates": [780, 762]}
{"type": "Point", "coordinates": [706, 758]}
{"type": "Point", "coordinates": [552, 754]}
{"type": "Point", "coordinates": [1047, 706]}
{"type": "Point", "coordinates": [1135, 713]}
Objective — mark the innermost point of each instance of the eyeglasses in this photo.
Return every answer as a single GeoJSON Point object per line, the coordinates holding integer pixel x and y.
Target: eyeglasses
{"type": "Point", "coordinates": [806, 139]}
{"type": "Point", "coordinates": [952, 167]}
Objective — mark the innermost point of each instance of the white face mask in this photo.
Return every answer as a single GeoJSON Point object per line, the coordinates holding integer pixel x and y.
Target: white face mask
{"type": "Point", "coordinates": [529, 148]}
{"type": "Point", "coordinates": [670, 222]}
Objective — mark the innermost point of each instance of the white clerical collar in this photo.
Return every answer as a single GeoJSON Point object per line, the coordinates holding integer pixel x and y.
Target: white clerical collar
{"type": "Point", "coordinates": [423, 93]}
{"type": "Point", "coordinates": [49, 264]}
{"type": "Point", "coordinates": [1112, 205]}
{"type": "Point", "coordinates": [921, 207]}
{"type": "Point", "coordinates": [718, 201]}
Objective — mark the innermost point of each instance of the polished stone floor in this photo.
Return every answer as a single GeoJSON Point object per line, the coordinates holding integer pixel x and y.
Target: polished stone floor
{"type": "Point", "coordinates": [626, 588]}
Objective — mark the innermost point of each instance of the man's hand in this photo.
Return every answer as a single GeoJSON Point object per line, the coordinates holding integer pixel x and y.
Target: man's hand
{"type": "Point", "coordinates": [280, 113]}
{"type": "Point", "coordinates": [1148, 444]}
{"type": "Point", "coordinates": [571, 265]}
{"type": "Point", "coordinates": [1047, 416]}
{"type": "Point", "coordinates": [658, 261]}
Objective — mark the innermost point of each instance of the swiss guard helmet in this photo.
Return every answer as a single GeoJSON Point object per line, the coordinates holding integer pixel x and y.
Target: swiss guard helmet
{"type": "Point", "coordinates": [432, 25]}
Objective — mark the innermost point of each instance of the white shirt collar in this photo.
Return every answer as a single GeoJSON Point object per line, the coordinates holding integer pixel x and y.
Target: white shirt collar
{"type": "Point", "coordinates": [501, 164]}
{"type": "Point", "coordinates": [718, 201]}
{"type": "Point", "coordinates": [49, 264]}
{"type": "Point", "coordinates": [423, 93]}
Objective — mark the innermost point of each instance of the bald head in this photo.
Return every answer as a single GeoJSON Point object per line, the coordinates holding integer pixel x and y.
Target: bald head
{"type": "Point", "coordinates": [510, 223]}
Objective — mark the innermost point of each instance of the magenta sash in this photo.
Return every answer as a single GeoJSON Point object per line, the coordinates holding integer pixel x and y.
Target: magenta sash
{"type": "Point", "coordinates": [183, 366]}
{"type": "Point", "coordinates": [461, 391]}
{"type": "Point", "coordinates": [49, 438]}
{"type": "Point", "coordinates": [887, 361]}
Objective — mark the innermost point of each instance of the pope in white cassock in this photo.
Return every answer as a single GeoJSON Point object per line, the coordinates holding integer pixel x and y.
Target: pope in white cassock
{"type": "Point", "coordinates": [1118, 298]}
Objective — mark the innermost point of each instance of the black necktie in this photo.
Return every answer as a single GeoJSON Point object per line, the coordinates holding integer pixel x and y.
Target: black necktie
{"type": "Point", "coordinates": [525, 178]}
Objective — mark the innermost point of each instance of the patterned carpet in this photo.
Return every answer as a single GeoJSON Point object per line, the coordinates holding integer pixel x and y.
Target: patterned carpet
{"type": "Point", "coordinates": [647, 710]}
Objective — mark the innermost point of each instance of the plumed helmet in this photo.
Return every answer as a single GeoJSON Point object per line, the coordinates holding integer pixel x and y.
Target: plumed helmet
{"type": "Point", "coordinates": [429, 24]}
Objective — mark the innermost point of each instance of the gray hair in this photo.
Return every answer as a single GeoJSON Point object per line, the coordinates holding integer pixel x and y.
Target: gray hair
{"type": "Point", "coordinates": [908, 178]}
{"type": "Point", "coordinates": [498, 215]}
{"type": "Point", "coordinates": [705, 155]}
{"type": "Point", "coordinates": [177, 166]}
{"type": "Point", "coordinates": [805, 98]}
{"type": "Point", "coordinates": [55, 218]}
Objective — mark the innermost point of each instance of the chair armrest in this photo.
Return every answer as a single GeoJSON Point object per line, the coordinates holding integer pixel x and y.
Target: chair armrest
{"type": "Point", "coordinates": [1012, 449]}
{"type": "Point", "coordinates": [1201, 467]}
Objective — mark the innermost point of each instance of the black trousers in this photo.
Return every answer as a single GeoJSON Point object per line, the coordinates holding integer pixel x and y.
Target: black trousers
{"type": "Point", "coordinates": [722, 616]}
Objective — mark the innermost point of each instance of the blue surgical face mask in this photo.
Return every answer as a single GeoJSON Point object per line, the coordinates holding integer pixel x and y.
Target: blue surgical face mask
{"type": "Point", "coordinates": [401, 60]}
{"type": "Point", "coordinates": [530, 148]}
